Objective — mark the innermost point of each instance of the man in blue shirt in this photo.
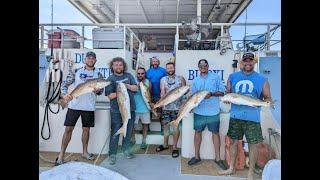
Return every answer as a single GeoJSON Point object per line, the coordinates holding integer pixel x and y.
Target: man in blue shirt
{"type": "Point", "coordinates": [207, 113]}
{"type": "Point", "coordinates": [154, 74]}
{"type": "Point", "coordinates": [245, 120]}
{"type": "Point", "coordinates": [142, 111]}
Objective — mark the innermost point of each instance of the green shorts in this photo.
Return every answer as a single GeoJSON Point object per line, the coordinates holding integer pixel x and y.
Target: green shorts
{"type": "Point", "coordinates": [252, 130]}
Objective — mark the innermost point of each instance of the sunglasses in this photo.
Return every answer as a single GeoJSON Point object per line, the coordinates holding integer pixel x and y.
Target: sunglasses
{"type": "Point", "coordinates": [247, 60]}
{"type": "Point", "coordinates": [140, 73]}
{"type": "Point", "coordinates": [203, 65]}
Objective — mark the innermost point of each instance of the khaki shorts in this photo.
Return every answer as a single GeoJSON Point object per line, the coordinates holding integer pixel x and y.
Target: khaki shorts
{"type": "Point", "coordinates": [143, 117]}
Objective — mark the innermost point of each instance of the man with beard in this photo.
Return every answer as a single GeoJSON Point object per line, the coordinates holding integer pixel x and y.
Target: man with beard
{"type": "Point", "coordinates": [142, 111]}
{"type": "Point", "coordinates": [83, 106]}
{"type": "Point", "coordinates": [154, 74]}
{"type": "Point", "coordinates": [119, 69]}
{"type": "Point", "coordinates": [245, 120]}
{"type": "Point", "coordinates": [170, 111]}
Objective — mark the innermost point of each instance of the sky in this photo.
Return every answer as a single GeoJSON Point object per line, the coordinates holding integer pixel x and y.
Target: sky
{"type": "Point", "coordinates": [257, 11]}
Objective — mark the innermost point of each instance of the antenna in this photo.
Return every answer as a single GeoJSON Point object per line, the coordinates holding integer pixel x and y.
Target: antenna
{"type": "Point", "coordinates": [245, 32]}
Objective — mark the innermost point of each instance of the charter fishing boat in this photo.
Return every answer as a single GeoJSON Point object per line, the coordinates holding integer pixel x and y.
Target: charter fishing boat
{"type": "Point", "coordinates": [179, 31]}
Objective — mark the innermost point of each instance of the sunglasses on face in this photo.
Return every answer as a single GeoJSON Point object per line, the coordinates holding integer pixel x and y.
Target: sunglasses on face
{"type": "Point", "coordinates": [247, 60]}
{"type": "Point", "coordinates": [203, 65]}
{"type": "Point", "coordinates": [140, 73]}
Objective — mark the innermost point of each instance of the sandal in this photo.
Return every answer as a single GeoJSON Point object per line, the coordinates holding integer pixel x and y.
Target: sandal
{"type": "Point", "coordinates": [221, 164]}
{"type": "Point", "coordinates": [90, 157]}
{"type": "Point", "coordinates": [161, 148]}
{"type": "Point", "coordinates": [143, 146]}
{"type": "Point", "coordinates": [175, 153]}
{"type": "Point", "coordinates": [193, 161]}
{"type": "Point", "coordinates": [57, 163]}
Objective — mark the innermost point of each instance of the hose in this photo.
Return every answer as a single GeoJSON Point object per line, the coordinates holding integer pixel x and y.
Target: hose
{"type": "Point", "coordinates": [55, 94]}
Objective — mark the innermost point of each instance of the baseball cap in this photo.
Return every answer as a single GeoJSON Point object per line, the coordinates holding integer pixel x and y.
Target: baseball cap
{"type": "Point", "coordinates": [155, 57]}
{"type": "Point", "coordinates": [90, 53]}
{"type": "Point", "coordinates": [202, 61]}
{"type": "Point", "coordinates": [248, 55]}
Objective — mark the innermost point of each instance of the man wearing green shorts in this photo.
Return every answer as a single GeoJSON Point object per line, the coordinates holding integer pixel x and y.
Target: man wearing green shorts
{"type": "Point", "coordinates": [245, 120]}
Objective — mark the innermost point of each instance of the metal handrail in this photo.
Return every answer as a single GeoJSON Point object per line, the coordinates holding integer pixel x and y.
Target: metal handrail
{"type": "Point", "coordinates": [163, 25]}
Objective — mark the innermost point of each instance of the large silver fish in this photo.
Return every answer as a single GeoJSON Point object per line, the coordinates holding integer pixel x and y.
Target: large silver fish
{"type": "Point", "coordinates": [124, 107]}
{"type": "Point", "coordinates": [147, 97]}
{"type": "Point", "coordinates": [240, 99]}
{"type": "Point", "coordinates": [86, 87]}
{"type": "Point", "coordinates": [172, 96]}
{"type": "Point", "coordinates": [192, 102]}
{"type": "Point", "coordinates": [145, 94]}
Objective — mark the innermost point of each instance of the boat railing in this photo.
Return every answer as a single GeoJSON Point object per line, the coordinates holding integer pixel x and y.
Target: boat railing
{"type": "Point", "coordinates": [223, 37]}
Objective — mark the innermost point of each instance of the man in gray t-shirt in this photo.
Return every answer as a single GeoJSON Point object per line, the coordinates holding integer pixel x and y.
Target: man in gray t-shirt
{"type": "Point", "coordinates": [170, 111]}
{"type": "Point", "coordinates": [118, 67]}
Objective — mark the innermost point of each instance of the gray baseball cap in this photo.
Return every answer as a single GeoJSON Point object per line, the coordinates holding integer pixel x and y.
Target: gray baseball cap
{"type": "Point", "coordinates": [90, 53]}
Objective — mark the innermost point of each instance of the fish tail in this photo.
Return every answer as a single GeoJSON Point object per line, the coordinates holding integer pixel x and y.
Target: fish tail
{"type": "Point", "coordinates": [122, 130]}
{"type": "Point", "coordinates": [62, 103]}
{"type": "Point", "coordinates": [154, 112]}
{"type": "Point", "coordinates": [174, 122]}
{"type": "Point", "coordinates": [151, 105]}
{"type": "Point", "coordinates": [125, 131]}
{"type": "Point", "coordinates": [155, 106]}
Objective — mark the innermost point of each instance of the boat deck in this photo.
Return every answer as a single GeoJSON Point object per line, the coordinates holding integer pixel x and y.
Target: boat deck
{"type": "Point", "coordinates": [148, 164]}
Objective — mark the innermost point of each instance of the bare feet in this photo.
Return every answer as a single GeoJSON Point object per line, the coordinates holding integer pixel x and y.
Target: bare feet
{"type": "Point", "coordinates": [226, 172]}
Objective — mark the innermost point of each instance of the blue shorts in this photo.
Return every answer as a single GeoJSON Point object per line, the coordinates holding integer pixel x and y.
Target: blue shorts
{"type": "Point", "coordinates": [200, 122]}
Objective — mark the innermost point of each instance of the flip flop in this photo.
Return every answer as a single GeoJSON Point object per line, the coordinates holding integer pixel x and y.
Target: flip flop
{"type": "Point", "coordinates": [221, 164]}
{"type": "Point", "coordinates": [175, 153]}
{"type": "Point", "coordinates": [90, 157]}
{"type": "Point", "coordinates": [57, 163]}
{"type": "Point", "coordinates": [161, 148]}
{"type": "Point", "coordinates": [193, 161]}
